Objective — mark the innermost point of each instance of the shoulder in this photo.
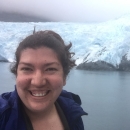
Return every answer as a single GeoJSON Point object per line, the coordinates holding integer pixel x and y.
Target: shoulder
{"type": "Point", "coordinates": [70, 103]}
{"type": "Point", "coordinates": [7, 101]}
{"type": "Point", "coordinates": [4, 109]}
{"type": "Point", "coordinates": [4, 102]}
{"type": "Point", "coordinates": [71, 96]}
{"type": "Point", "coordinates": [10, 112]}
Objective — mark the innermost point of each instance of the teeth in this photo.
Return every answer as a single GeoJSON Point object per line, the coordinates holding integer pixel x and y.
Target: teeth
{"type": "Point", "coordinates": [39, 94]}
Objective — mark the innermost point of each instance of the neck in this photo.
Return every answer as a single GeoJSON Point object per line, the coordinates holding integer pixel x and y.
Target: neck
{"type": "Point", "coordinates": [38, 115]}
{"type": "Point", "coordinates": [48, 120]}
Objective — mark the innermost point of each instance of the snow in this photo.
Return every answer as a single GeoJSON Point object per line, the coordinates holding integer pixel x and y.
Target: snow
{"type": "Point", "coordinates": [106, 41]}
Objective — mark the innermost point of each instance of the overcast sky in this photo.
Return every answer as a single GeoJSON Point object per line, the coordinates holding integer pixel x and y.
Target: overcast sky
{"type": "Point", "coordinates": [69, 10]}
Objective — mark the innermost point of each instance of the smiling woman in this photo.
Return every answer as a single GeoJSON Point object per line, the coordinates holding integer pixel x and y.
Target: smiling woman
{"type": "Point", "coordinates": [39, 102]}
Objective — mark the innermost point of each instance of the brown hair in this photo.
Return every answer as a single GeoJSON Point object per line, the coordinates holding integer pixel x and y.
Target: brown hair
{"type": "Point", "coordinates": [48, 39]}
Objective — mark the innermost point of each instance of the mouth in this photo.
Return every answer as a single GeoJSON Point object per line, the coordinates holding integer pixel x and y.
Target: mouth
{"type": "Point", "coordinates": [39, 93]}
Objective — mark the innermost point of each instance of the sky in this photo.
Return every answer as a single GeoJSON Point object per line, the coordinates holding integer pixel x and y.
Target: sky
{"type": "Point", "coordinates": [69, 10]}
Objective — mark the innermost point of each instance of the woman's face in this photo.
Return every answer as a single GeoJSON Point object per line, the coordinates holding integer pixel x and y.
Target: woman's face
{"type": "Point", "coordinates": [40, 78]}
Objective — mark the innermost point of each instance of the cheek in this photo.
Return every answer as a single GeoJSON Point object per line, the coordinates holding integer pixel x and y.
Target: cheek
{"type": "Point", "coordinates": [22, 81]}
{"type": "Point", "coordinates": [57, 82]}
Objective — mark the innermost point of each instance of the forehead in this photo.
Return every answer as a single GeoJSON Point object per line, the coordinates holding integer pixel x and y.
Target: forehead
{"type": "Point", "coordinates": [41, 53]}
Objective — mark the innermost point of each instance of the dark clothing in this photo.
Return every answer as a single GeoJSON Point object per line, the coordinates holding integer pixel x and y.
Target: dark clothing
{"type": "Point", "coordinates": [27, 121]}
{"type": "Point", "coordinates": [60, 112]}
{"type": "Point", "coordinates": [12, 117]}
{"type": "Point", "coordinates": [62, 117]}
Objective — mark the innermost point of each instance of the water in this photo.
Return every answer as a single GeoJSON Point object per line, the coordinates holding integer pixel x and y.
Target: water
{"type": "Point", "coordinates": [7, 79]}
{"type": "Point", "coordinates": [105, 96]}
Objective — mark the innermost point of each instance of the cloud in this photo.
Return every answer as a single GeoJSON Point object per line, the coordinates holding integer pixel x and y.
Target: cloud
{"type": "Point", "coordinates": [68, 10]}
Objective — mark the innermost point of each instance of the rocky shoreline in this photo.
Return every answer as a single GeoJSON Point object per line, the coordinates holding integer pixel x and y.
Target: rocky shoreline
{"type": "Point", "coordinates": [104, 66]}
{"type": "Point", "coordinates": [2, 59]}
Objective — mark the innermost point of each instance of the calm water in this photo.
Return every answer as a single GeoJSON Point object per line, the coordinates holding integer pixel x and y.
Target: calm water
{"type": "Point", "coordinates": [105, 96]}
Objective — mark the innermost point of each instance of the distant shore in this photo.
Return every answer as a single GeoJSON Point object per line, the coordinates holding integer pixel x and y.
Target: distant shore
{"type": "Point", "coordinates": [104, 66]}
{"type": "Point", "coordinates": [2, 59]}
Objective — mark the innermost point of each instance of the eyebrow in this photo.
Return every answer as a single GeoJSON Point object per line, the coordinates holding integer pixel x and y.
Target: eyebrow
{"type": "Point", "coordinates": [51, 63]}
{"type": "Point", "coordinates": [25, 63]}
{"type": "Point", "coordinates": [46, 64]}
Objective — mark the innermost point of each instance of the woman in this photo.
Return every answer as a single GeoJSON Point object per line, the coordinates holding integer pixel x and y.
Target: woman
{"type": "Point", "coordinates": [42, 64]}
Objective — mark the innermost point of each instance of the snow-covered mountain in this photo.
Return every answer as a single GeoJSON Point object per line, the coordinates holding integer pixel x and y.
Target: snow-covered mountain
{"type": "Point", "coordinates": [107, 41]}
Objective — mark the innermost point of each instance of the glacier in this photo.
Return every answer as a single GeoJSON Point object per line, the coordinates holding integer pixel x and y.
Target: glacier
{"type": "Point", "coordinates": [106, 41]}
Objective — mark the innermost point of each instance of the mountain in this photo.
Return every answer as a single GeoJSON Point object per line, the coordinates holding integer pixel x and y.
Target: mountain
{"type": "Point", "coordinates": [17, 17]}
{"type": "Point", "coordinates": [111, 48]}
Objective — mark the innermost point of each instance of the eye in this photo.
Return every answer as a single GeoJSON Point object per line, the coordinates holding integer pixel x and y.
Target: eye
{"type": "Point", "coordinates": [51, 69]}
{"type": "Point", "coordinates": [26, 69]}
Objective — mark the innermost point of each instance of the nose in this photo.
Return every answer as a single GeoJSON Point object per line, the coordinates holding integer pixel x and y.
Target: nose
{"type": "Point", "coordinates": [38, 79]}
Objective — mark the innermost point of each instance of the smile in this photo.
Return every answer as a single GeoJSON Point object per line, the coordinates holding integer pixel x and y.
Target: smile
{"type": "Point", "coordinates": [39, 93]}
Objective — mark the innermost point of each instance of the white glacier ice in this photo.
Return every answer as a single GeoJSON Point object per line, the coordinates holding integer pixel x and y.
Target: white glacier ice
{"type": "Point", "coordinates": [106, 41]}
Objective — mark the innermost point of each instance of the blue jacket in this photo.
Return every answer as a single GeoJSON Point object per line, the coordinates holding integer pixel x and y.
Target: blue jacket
{"type": "Point", "coordinates": [11, 117]}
